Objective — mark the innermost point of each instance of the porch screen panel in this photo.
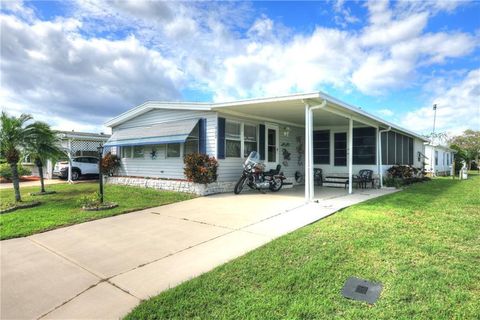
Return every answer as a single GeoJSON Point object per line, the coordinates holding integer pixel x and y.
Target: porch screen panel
{"type": "Point", "coordinates": [391, 147]}
{"type": "Point", "coordinates": [399, 148]}
{"type": "Point", "coordinates": [364, 146]}
{"type": "Point", "coordinates": [340, 154]}
{"type": "Point", "coordinates": [384, 148]}
{"type": "Point", "coordinates": [410, 151]}
{"type": "Point", "coordinates": [321, 147]}
{"type": "Point", "coordinates": [405, 150]}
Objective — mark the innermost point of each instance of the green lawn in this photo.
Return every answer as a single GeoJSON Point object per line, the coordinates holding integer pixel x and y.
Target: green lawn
{"type": "Point", "coordinates": [62, 208]}
{"type": "Point", "coordinates": [422, 243]}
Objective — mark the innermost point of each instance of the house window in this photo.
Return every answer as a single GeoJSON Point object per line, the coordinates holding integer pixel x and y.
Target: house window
{"type": "Point", "coordinates": [138, 152]}
{"type": "Point", "coordinates": [340, 154]}
{"type": "Point", "coordinates": [126, 152]}
{"type": "Point", "coordinates": [436, 158]}
{"type": "Point", "coordinates": [249, 139]}
{"type": "Point", "coordinates": [233, 141]}
{"type": "Point", "coordinates": [321, 147]}
{"type": "Point", "coordinates": [364, 146]}
{"type": "Point", "coordinates": [173, 150]}
{"type": "Point", "coordinates": [191, 144]}
{"type": "Point", "coordinates": [156, 151]}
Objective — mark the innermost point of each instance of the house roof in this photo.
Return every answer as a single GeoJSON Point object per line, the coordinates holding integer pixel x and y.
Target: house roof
{"type": "Point", "coordinates": [439, 146]}
{"type": "Point", "coordinates": [83, 135]}
{"type": "Point", "coordinates": [290, 107]}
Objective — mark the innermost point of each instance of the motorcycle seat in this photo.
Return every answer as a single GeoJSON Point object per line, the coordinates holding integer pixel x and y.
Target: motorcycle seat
{"type": "Point", "coordinates": [273, 172]}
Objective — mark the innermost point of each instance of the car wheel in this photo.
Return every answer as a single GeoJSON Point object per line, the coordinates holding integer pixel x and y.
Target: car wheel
{"type": "Point", "coordinates": [75, 175]}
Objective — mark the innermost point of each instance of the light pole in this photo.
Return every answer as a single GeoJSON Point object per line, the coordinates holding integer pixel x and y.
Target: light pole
{"type": "Point", "coordinates": [434, 120]}
{"type": "Point", "coordinates": [432, 156]}
{"type": "Point", "coordinates": [100, 173]}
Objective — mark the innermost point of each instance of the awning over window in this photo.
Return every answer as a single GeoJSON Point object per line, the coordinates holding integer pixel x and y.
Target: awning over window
{"type": "Point", "coordinates": [163, 133]}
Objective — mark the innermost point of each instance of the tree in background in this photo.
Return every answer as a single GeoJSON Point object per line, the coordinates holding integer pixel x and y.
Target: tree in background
{"type": "Point", "coordinates": [15, 135]}
{"type": "Point", "coordinates": [467, 146]}
{"type": "Point", "coordinates": [43, 145]}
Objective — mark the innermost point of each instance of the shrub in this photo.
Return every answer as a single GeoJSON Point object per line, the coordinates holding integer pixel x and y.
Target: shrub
{"type": "Point", "coordinates": [398, 181]}
{"type": "Point", "coordinates": [110, 164]}
{"type": "Point", "coordinates": [200, 168]}
{"type": "Point", "coordinates": [90, 201]}
{"type": "Point", "coordinates": [404, 172]}
{"type": "Point", "coordinates": [6, 171]}
{"type": "Point", "coordinates": [393, 182]}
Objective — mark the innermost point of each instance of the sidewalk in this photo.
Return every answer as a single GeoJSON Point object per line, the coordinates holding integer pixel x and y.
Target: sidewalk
{"type": "Point", "coordinates": [104, 268]}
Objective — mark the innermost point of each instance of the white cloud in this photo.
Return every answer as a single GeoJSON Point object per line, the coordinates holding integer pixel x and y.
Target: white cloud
{"type": "Point", "coordinates": [51, 69]}
{"type": "Point", "coordinates": [153, 50]}
{"type": "Point", "coordinates": [458, 108]}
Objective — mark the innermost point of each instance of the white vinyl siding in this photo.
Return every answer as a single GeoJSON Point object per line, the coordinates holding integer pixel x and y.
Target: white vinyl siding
{"type": "Point", "coordinates": [162, 166]}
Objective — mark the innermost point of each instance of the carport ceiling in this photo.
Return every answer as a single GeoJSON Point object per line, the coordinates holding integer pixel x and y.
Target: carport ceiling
{"type": "Point", "coordinates": [292, 112]}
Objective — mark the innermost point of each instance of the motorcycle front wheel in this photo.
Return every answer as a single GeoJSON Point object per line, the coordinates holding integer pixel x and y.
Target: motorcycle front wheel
{"type": "Point", "coordinates": [278, 183]}
{"type": "Point", "coordinates": [239, 185]}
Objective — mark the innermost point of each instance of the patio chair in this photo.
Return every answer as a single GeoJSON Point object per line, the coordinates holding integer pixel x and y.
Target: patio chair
{"type": "Point", "coordinates": [365, 176]}
{"type": "Point", "coordinates": [318, 176]}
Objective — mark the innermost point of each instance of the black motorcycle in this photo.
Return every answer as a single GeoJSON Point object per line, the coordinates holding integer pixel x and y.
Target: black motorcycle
{"type": "Point", "coordinates": [255, 177]}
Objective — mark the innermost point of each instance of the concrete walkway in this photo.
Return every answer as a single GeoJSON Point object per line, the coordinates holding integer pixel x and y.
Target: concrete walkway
{"type": "Point", "coordinates": [9, 185]}
{"type": "Point", "coordinates": [104, 268]}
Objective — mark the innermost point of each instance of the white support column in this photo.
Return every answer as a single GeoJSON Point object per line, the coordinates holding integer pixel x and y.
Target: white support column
{"type": "Point", "coordinates": [70, 160]}
{"type": "Point", "coordinates": [379, 153]}
{"type": "Point", "coordinates": [310, 156]}
{"type": "Point", "coordinates": [307, 152]}
{"type": "Point", "coordinates": [379, 159]}
{"type": "Point", "coordinates": [350, 155]}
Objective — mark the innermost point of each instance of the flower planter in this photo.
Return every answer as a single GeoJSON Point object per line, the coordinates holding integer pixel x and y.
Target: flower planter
{"type": "Point", "coordinates": [42, 193]}
{"type": "Point", "coordinates": [20, 206]}
{"type": "Point", "coordinates": [104, 206]}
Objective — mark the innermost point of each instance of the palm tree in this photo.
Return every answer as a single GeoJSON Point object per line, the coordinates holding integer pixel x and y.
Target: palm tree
{"type": "Point", "coordinates": [15, 135]}
{"type": "Point", "coordinates": [44, 145]}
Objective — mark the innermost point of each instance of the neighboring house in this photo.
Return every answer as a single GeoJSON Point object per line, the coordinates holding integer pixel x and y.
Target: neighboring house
{"type": "Point", "coordinates": [440, 160]}
{"type": "Point", "coordinates": [299, 131]}
{"type": "Point", "coordinates": [75, 144]}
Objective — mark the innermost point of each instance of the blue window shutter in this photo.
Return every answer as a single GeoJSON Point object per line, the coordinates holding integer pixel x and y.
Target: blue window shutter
{"type": "Point", "coordinates": [221, 138]}
{"type": "Point", "coordinates": [202, 139]}
{"type": "Point", "coordinates": [261, 144]}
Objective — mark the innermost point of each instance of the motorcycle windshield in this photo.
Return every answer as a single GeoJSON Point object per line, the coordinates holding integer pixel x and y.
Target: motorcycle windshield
{"type": "Point", "coordinates": [253, 157]}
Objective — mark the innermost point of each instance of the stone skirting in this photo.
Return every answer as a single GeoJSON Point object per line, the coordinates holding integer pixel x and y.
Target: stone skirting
{"type": "Point", "coordinates": [174, 185]}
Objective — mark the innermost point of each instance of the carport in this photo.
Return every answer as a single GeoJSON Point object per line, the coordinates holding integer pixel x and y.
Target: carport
{"type": "Point", "coordinates": [310, 111]}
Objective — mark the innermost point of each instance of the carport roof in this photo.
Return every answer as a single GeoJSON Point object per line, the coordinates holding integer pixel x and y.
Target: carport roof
{"type": "Point", "coordinates": [288, 109]}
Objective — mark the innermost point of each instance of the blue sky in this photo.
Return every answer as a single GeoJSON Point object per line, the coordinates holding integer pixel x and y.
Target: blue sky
{"type": "Point", "coordinates": [76, 64]}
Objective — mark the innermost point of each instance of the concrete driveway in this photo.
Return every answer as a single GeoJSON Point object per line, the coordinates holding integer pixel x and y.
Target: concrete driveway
{"type": "Point", "coordinates": [102, 269]}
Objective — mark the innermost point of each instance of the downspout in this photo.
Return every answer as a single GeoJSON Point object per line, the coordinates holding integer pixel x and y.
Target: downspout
{"type": "Point", "coordinates": [380, 171]}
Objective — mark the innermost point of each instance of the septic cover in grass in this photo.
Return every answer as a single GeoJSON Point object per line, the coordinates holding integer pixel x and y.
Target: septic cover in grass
{"type": "Point", "coordinates": [362, 290]}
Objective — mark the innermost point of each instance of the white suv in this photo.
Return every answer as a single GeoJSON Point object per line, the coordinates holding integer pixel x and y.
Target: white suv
{"type": "Point", "coordinates": [80, 166]}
